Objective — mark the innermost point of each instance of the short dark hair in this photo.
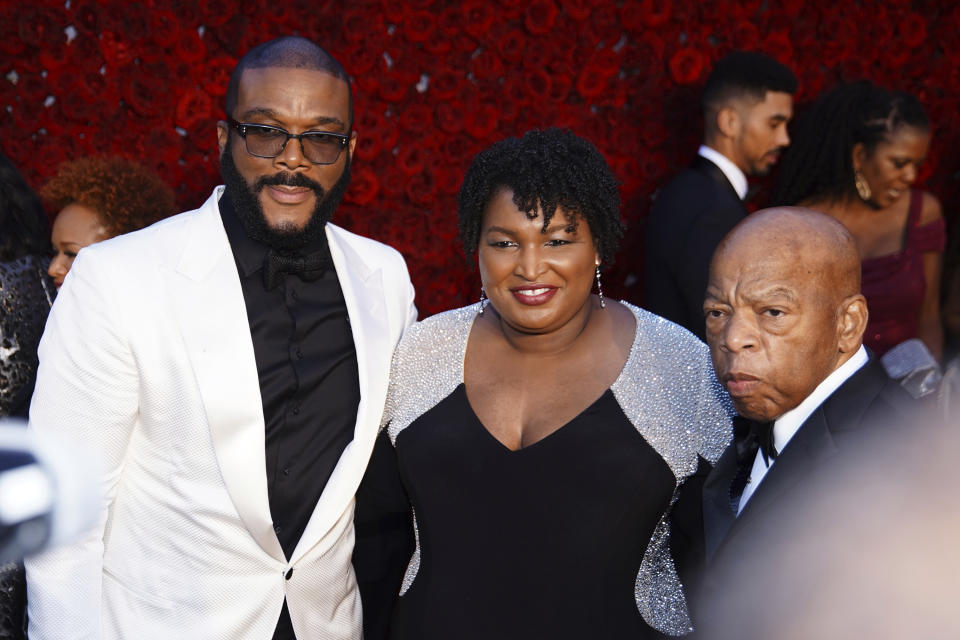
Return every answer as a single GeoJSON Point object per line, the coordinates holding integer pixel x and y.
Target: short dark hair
{"type": "Point", "coordinates": [819, 162]}
{"type": "Point", "coordinates": [24, 228]}
{"type": "Point", "coordinates": [289, 52]}
{"type": "Point", "coordinates": [743, 74]}
{"type": "Point", "coordinates": [552, 168]}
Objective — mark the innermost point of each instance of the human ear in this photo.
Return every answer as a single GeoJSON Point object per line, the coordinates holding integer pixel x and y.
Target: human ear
{"type": "Point", "coordinates": [858, 156]}
{"type": "Point", "coordinates": [852, 323]}
{"type": "Point", "coordinates": [223, 132]}
{"type": "Point", "coordinates": [728, 122]}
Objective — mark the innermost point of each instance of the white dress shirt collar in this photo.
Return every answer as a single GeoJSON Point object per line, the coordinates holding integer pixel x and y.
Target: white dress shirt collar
{"type": "Point", "coordinates": [730, 170]}
{"type": "Point", "coordinates": [787, 425]}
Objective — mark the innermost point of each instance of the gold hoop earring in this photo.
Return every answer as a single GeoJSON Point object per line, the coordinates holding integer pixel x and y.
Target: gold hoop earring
{"type": "Point", "coordinates": [863, 188]}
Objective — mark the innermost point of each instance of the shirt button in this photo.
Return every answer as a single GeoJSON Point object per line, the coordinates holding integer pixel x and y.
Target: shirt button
{"type": "Point", "coordinates": [296, 411]}
{"type": "Point", "coordinates": [276, 529]}
{"type": "Point", "coordinates": [299, 354]}
{"type": "Point", "coordinates": [289, 573]}
{"type": "Point", "coordinates": [286, 471]}
{"type": "Point", "coordinates": [295, 295]}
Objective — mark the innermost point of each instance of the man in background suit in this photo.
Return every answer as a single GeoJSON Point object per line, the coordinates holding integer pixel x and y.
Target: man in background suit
{"type": "Point", "coordinates": [231, 365]}
{"type": "Point", "coordinates": [747, 102]}
{"type": "Point", "coordinates": [785, 320]}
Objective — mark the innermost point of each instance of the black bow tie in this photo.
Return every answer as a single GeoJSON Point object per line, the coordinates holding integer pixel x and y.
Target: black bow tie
{"type": "Point", "coordinates": [748, 438]}
{"type": "Point", "coordinates": [309, 267]}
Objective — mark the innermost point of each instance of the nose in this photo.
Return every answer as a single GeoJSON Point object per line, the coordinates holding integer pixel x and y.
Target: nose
{"type": "Point", "coordinates": [530, 263]}
{"type": "Point", "coordinates": [740, 333]}
{"type": "Point", "coordinates": [292, 155]}
{"type": "Point", "coordinates": [58, 267]}
{"type": "Point", "coordinates": [784, 138]}
{"type": "Point", "coordinates": [910, 173]}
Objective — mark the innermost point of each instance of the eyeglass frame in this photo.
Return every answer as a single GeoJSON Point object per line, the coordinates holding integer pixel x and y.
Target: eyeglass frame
{"type": "Point", "coordinates": [240, 128]}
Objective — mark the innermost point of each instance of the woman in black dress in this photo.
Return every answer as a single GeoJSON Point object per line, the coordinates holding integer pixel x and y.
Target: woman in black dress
{"type": "Point", "coordinates": [540, 436]}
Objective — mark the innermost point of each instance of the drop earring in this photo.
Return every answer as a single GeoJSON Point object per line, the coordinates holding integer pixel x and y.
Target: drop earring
{"type": "Point", "coordinates": [603, 305]}
{"type": "Point", "coordinates": [863, 189]}
{"type": "Point", "coordinates": [483, 300]}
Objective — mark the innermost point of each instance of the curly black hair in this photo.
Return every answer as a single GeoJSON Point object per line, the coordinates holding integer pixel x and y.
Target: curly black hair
{"type": "Point", "coordinates": [819, 162]}
{"type": "Point", "coordinates": [24, 228]}
{"type": "Point", "coordinates": [549, 169]}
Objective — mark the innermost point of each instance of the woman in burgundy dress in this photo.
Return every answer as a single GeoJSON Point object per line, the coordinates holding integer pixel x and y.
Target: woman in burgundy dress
{"type": "Point", "coordinates": [855, 155]}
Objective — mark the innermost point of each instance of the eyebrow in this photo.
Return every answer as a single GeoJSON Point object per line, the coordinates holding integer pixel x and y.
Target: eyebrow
{"type": "Point", "coordinates": [550, 229]}
{"type": "Point", "coordinates": [776, 292]}
{"type": "Point", "coordinates": [319, 121]}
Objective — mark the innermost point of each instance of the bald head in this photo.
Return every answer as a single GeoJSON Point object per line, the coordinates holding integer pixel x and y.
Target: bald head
{"type": "Point", "coordinates": [783, 308]}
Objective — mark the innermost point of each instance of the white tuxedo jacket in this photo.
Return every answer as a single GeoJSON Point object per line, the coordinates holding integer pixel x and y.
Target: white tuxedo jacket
{"type": "Point", "coordinates": [147, 356]}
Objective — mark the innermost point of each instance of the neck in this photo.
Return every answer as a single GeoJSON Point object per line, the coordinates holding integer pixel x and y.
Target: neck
{"type": "Point", "coordinates": [545, 343]}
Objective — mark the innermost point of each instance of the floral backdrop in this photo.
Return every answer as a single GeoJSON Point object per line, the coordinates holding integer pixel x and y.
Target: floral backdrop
{"type": "Point", "coordinates": [436, 81]}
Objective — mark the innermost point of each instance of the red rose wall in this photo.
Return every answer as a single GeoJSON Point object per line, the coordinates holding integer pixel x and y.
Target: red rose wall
{"type": "Point", "coordinates": [437, 81]}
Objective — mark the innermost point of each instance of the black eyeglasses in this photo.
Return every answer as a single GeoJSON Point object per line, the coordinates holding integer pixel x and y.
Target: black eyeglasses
{"type": "Point", "coordinates": [265, 141]}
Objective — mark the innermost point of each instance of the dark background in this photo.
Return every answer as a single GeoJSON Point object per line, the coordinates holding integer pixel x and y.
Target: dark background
{"type": "Point", "coordinates": [437, 81]}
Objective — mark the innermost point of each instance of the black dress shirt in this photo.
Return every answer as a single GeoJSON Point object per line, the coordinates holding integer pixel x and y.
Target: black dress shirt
{"type": "Point", "coordinates": [309, 383]}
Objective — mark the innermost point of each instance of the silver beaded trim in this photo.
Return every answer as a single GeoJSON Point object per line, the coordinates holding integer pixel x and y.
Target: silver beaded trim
{"type": "Point", "coordinates": [414, 565]}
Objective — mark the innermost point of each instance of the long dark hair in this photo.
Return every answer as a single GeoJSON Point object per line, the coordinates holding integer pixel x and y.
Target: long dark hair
{"type": "Point", "coordinates": [819, 162]}
{"type": "Point", "coordinates": [24, 228]}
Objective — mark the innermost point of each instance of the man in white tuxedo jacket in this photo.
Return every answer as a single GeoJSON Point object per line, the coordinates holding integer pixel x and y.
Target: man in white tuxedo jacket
{"type": "Point", "coordinates": [231, 365]}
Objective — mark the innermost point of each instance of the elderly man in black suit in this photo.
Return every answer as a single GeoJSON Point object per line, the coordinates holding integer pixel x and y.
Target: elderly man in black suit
{"type": "Point", "coordinates": [784, 321]}
{"type": "Point", "coordinates": [747, 102]}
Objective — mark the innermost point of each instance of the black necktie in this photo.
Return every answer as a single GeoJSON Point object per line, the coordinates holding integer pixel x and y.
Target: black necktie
{"type": "Point", "coordinates": [309, 267]}
{"type": "Point", "coordinates": [749, 437]}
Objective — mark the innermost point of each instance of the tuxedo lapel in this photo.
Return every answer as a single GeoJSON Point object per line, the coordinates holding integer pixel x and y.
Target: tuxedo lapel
{"type": "Point", "coordinates": [364, 296]}
{"type": "Point", "coordinates": [715, 173]}
{"type": "Point", "coordinates": [208, 303]}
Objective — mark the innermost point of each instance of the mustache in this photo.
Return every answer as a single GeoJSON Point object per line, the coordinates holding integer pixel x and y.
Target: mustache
{"type": "Point", "coordinates": [287, 179]}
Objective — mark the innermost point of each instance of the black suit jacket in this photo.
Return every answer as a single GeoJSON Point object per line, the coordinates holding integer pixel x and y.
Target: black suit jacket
{"type": "Point", "coordinates": [689, 218]}
{"type": "Point", "coordinates": [868, 401]}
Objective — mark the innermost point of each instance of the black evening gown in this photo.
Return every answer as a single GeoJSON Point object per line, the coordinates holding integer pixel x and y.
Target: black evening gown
{"type": "Point", "coordinates": [543, 542]}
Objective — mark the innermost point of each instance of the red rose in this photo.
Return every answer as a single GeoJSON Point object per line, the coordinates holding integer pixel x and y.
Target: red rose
{"type": "Point", "coordinates": [190, 47]}
{"type": "Point", "coordinates": [193, 107]}
{"type": "Point", "coordinates": [778, 45]}
{"type": "Point", "coordinates": [391, 89]}
{"type": "Point", "coordinates": [744, 35]}
{"type": "Point", "coordinates": [164, 28]}
{"type": "Point", "coordinates": [216, 12]}
{"type": "Point", "coordinates": [576, 9]}
{"type": "Point", "coordinates": [540, 16]}
{"type": "Point", "coordinates": [449, 116]}
{"type": "Point", "coordinates": [37, 25]}
{"type": "Point", "coordinates": [559, 88]}
{"type": "Point", "coordinates": [86, 16]}
{"type": "Point", "coordinates": [912, 28]}
{"type": "Point", "coordinates": [512, 45]}
{"type": "Point", "coordinates": [448, 180]}
{"type": "Point", "coordinates": [417, 117]}
{"type": "Point", "coordinates": [477, 18]}
{"type": "Point", "coordinates": [421, 187]}
{"type": "Point", "coordinates": [364, 187]}
{"type": "Point", "coordinates": [604, 25]}
{"type": "Point", "coordinates": [653, 13]}
{"type": "Point", "coordinates": [216, 73]}
{"type": "Point", "coordinates": [445, 84]}
{"type": "Point", "coordinates": [419, 26]}
{"type": "Point", "coordinates": [487, 65]}
{"type": "Point", "coordinates": [686, 65]}
{"type": "Point", "coordinates": [116, 51]}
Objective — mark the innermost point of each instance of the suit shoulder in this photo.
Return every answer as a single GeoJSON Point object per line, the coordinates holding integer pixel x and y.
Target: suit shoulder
{"type": "Point", "coordinates": [145, 245]}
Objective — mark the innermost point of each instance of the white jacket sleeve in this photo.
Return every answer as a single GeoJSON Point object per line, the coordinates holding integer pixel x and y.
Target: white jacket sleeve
{"type": "Point", "coordinates": [87, 389]}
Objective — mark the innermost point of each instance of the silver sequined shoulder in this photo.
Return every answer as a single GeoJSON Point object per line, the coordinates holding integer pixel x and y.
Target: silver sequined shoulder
{"type": "Point", "coordinates": [670, 394]}
{"type": "Point", "coordinates": [427, 366]}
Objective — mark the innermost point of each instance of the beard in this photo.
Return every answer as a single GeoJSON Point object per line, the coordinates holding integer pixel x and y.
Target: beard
{"type": "Point", "coordinates": [246, 203]}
